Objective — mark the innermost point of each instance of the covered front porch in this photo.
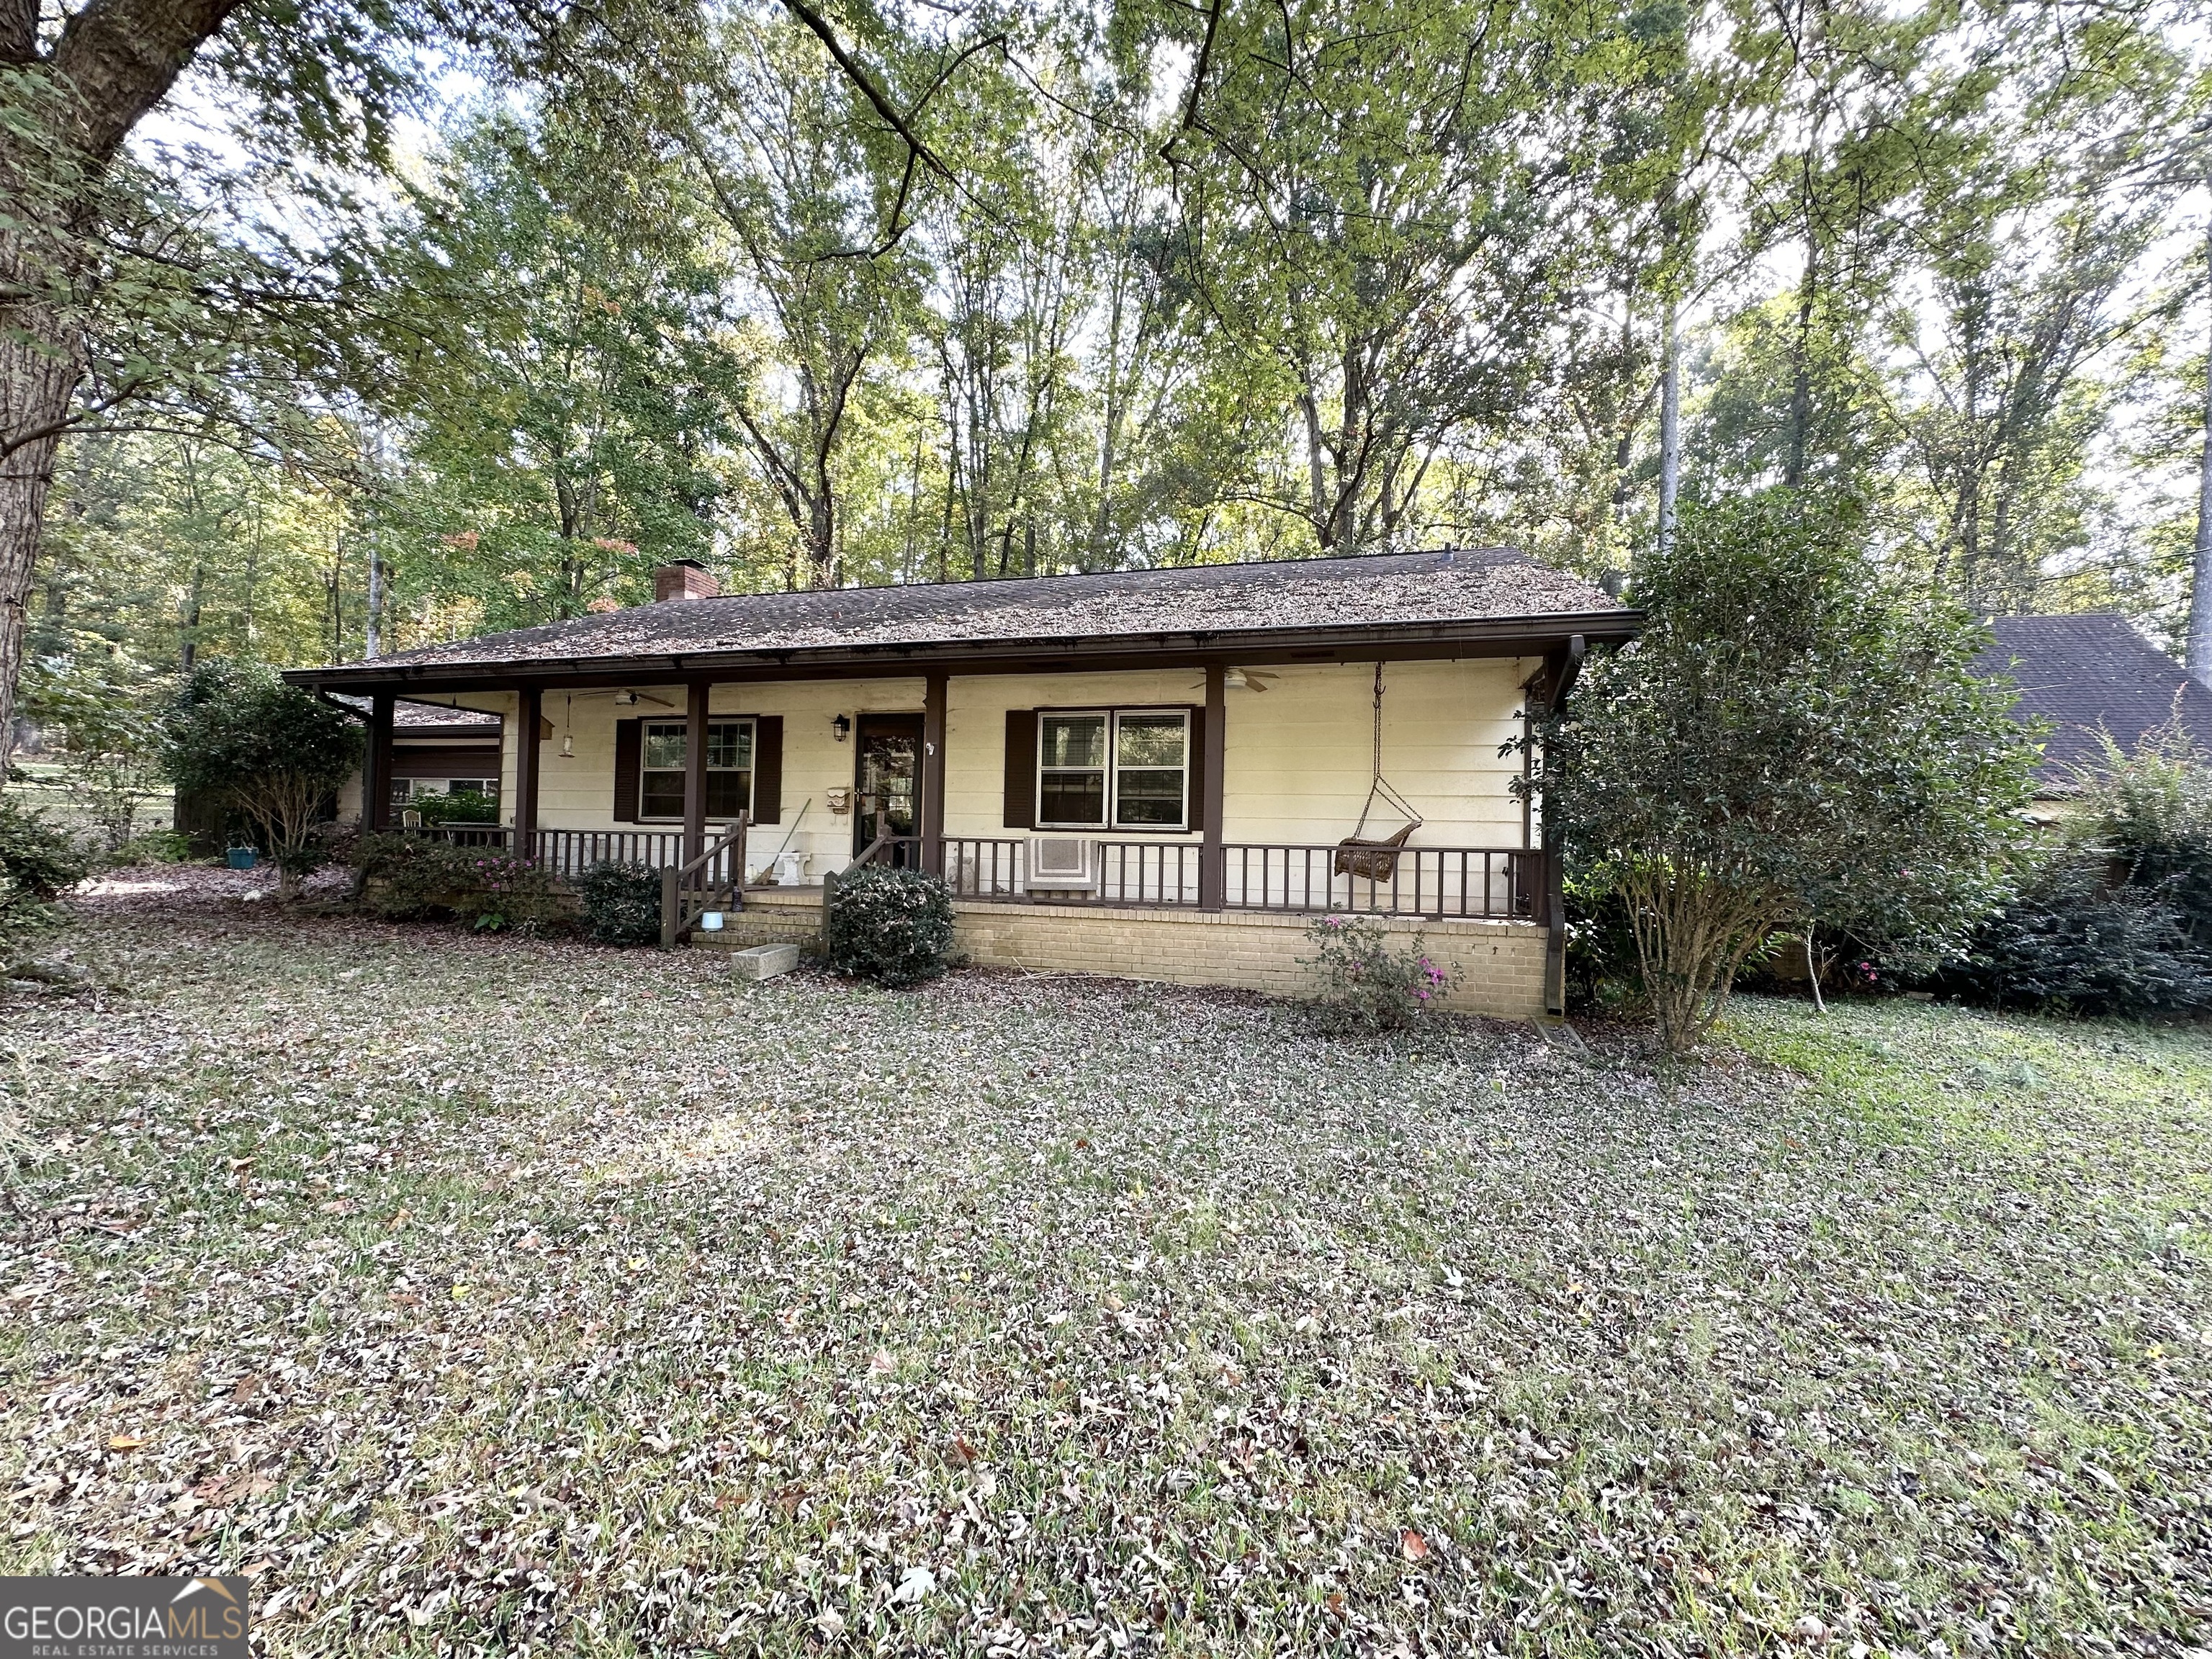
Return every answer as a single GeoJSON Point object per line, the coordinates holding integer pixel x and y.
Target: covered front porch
{"type": "Point", "coordinates": [1097, 798]}
{"type": "Point", "coordinates": [1163, 773]}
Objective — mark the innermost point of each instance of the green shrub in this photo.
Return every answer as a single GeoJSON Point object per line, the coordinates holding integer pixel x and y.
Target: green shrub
{"type": "Point", "coordinates": [415, 877]}
{"type": "Point", "coordinates": [894, 927]}
{"type": "Point", "coordinates": [39, 862]}
{"type": "Point", "coordinates": [513, 893]}
{"type": "Point", "coordinates": [622, 904]}
{"type": "Point", "coordinates": [2151, 810]}
{"type": "Point", "coordinates": [462, 806]}
{"type": "Point", "coordinates": [152, 846]}
{"type": "Point", "coordinates": [1796, 739]}
{"type": "Point", "coordinates": [2072, 939]}
{"type": "Point", "coordinates": [1365, 985]}
{"type": "Point", "coordinates": [239, 737]}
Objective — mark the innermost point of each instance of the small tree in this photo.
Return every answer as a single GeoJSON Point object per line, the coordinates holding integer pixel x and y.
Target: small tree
{"type": "Point", "coordinates": [1796, 739]}
{"type": "Point", "coordinates": [238, 732]}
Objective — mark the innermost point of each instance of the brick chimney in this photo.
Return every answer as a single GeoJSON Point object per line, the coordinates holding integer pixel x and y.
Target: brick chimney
{"type": "Point", "coordinates": [686, 579]}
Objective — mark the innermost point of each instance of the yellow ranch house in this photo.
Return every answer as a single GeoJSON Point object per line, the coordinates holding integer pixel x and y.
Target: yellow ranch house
{"type": "Point", "coordinates": [1155, 773]}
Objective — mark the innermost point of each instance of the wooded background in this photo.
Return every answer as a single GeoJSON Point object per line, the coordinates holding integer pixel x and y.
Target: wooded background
{"type": "Point", "coordinates": [398, 323]}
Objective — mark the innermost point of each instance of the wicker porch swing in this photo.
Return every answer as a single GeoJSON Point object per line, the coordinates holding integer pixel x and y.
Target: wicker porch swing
{"type": "Point", "coordinates": [1357, 855]}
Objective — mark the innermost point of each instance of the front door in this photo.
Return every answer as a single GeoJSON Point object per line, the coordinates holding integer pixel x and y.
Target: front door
{"type": "Point", "coordinates": [887, 782]}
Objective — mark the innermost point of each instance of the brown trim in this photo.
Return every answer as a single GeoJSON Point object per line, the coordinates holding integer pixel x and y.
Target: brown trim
{"type": "Point", "coordinates": [695, 768]}
{"type": "Point", "coordinates": [1020, 807]}
{"type": "Point", "coordinates": [1515, 636]}
{"type": "Point", "coordinates": [932, 770]}
{"type": "Point", "coordinates": [1210, 736]}
{"type": "Point", "coordinates": [529, 755]}
{"type": "Point", "coordinates": [477, 761]}
{"type": "Point", "coordinates": [629, 760]}
{"type": "Point", "coordinates": [376, 766]}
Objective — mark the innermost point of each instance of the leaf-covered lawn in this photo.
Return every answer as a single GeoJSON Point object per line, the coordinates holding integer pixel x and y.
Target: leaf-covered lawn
{"type": "Point", "coordinates": [477, 1294]}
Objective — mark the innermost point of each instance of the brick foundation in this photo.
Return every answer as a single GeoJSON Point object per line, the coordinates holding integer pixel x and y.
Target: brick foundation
{"type": "Point", "coordinates": [1500, 964]}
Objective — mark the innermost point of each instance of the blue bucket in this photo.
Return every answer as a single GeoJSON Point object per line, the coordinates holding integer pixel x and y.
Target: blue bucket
{"type": "Point", "coordinates": [241, 858]}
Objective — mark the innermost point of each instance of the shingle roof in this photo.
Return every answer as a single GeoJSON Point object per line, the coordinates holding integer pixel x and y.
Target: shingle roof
{"type": "Point", "coordinates": [434, 719]}
{"type": "Point", "coordinates": [1374, 591]}
{"type": "Point", "coordinates": [2089, 674]}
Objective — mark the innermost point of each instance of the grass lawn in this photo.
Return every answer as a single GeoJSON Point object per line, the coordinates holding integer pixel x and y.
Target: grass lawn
{"type": "Point", "coordinates": [481, 1295]}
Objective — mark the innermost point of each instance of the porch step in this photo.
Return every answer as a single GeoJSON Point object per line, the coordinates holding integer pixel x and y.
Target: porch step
{"type": "Point", "coordinates": [758, 962]}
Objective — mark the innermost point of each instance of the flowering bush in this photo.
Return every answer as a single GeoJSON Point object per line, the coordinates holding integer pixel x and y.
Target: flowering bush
{"type": "Point", "coordinates": [412, 878]}
{"type": "Point", "coordinates": [1365, 985]}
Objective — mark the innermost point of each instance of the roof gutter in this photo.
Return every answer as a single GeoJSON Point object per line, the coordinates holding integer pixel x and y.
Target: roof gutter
{"type": "Point", "coordinates": [1489, 636]}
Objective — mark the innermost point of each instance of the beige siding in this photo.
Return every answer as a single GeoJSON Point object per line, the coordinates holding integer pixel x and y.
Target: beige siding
{"type": "Point", "coordinates": [1299, 754]}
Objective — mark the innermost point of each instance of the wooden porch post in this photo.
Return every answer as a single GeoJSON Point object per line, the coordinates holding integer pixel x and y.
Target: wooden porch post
{"type": "Point", "coordinates": [1213, 859]}
{"type": "Point", "coordinates": [376, 766]}
{"type": "Point", "coordinates": [528, 755]}
{"type": "Point", "coordinates": [1561, 669]}
{"type": "Point", "coordinates": [695, 771]}
{"type": "Point", "coordinates": [933, 772]}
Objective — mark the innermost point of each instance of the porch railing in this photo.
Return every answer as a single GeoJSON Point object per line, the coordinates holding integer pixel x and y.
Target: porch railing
{"type": "Point", "coordinates": [714, 880]}
{"type": "Point", "coordinates": [568, 853]}
{"type": "Point", "coordinates": [1454, 882]}
{"type": "Point", "coordinates": [1470, 883]}
{"type": "Point", "coordinates": [1475, 883]}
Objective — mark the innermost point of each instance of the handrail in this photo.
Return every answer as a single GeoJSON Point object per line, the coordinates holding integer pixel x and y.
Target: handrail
{"type": "Point", "coordinates": [684, 897]}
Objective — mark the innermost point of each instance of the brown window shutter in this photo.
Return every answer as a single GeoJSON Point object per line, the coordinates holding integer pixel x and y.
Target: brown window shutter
{"type": "Point", "coordinates": [1021, 768]}
{"type": "Point", "coordinates": [768, 768]}
{"type": "Point", "coordinates": [1194, 759]}
{"type": "Point", "coordinates": [630, 753]}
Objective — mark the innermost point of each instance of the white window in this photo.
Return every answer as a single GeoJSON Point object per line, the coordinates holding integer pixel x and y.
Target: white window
{"type": "Point", "coordinates": [1121, 768]}
{"type": "Point", "coordinates": [729, 768]}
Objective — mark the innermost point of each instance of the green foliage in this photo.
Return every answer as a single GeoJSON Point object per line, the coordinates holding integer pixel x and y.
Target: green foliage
{"type": "Point", "coordinates": [2117, 917]}
{"type": "Point", "coordinates": [99, 705]}
{"type": "Point", "coordinates": [39, 862]}
{"type": "Point", "coordinates": [457, 807]}
{"type": "Point", "coordinates": [2071, 938]}
{"type": "Point", "coordinates": [418, 877]}
{"type": "Point", "coordinates": [622, 904]}
{"type": "Point", "coordinates": [512, 894]}
{"type": "Point", "coordinates": [1365, 985]}
{"type": "Point", "coordinates": [150, 846]}
{"type": "Point", "coordinates": [2151, 811]}
{"type": "Point", "coordinates": [238, 733]}
{"type": "Point", "coordinates": [1796, 739]}
{"type": "Point", "coordinates": [894, 927]}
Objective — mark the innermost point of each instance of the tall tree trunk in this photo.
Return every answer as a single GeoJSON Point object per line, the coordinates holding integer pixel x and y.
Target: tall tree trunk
{"type": "Point", "coordinates": [112, 62]}
{"type": "Point", "coordinates": [1323, 519]}
{"type": "Point", "coordinates": [372, 633]}
{"type": "Point", "coordinates": [39, 372]}
{"type": "Point", "coordinates": [1670, 426]}
{"type": "Point", "coordinates": [2200, 589]}
{"type": "Point", "coordinates": [1801, 374]}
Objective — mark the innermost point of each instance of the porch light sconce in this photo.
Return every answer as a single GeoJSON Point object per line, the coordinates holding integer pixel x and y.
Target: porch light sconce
{"type": "Point", "coordinates": [843, 725]}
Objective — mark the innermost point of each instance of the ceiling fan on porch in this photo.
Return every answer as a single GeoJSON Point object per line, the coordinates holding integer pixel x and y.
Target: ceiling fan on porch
{"type": "Point", "coordinates": [1244, 680]}
{"type": "Point", "coordinates": [630, 699]}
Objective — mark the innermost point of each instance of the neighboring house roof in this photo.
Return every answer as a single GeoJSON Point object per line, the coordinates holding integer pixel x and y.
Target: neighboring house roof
{"type": "Point", "coordinates": [411, 719]}
{"type": "Point", "coordinates": [2090, 676]}
{"type": "Point", "coordinates": [1492, 593]}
